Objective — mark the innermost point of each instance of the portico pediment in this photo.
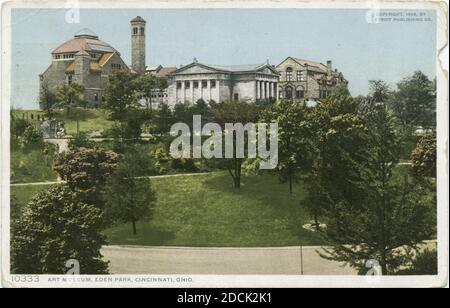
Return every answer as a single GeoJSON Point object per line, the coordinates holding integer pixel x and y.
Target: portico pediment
{"type": "Point", "coordinates": [196, 68]}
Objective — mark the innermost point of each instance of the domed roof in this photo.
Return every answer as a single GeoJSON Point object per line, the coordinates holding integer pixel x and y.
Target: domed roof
{"type": "Point", "coordinates": [84, 40]}
{"type": "Point", "coordinates": [85, 32]}
{"type": "Point", "coordinates": [138, 19]}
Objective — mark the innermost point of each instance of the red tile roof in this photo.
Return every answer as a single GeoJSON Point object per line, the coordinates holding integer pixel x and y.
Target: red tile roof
{"type": "Point", "coordinates": [81, 43]}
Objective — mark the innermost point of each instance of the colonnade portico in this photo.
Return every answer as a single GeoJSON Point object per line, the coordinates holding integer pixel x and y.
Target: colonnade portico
{"type": "Point", "coordinates": [266, 89]}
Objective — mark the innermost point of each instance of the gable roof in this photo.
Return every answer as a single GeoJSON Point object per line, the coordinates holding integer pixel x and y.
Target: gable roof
{"type": "Point", "coordinates": [231, 69]}
{"type": "Point", "coordinates": [312, 65]}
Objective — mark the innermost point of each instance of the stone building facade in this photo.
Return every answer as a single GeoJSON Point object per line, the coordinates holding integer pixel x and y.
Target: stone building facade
{"type": "Point", "coordinates": [253, 83]}
{"type": "Point", "coordinates": [307, 80]}
{"type": "Point", "coordinates": [89, 61]}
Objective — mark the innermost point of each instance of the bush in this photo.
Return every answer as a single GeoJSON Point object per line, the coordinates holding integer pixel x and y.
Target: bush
{"type": "Point", "coordinates": [32, 136]}
{"type": "Point", "coordinates": [80, 141]}
{"type": "Point", "coordinates": [425, 263]}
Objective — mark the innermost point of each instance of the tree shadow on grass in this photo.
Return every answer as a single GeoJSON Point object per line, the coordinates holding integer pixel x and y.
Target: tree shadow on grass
{"type": "Point", "coordinates": [147, 235]}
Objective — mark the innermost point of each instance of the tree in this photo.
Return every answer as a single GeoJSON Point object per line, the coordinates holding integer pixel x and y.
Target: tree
{"type": "Point", "coordinates": [129, 198]}
{"type": "Point", "coordinates": [57, 226]}
{"type": "Point", "coordinates": [391, 218]}
{"type": "Point", "coordinates": [120, 95]}
{"type": "Point", "coordinates": [86, 172]}
{"type": "Point", "coordinates": [121, 99]}
{"type": "Point", "coordinates": [47, 100]}
{"type": "Point", "coordinates": [235, 112]}
{"type": "Point", "coordinates": [424, 157]}
{"type": "Point", "coordinates": [294, 139]}
{"type": "Point", "coordinates": [70, 96]}
{"type": "Point", "coordinates": [146, 85]}
{"type": "Point", "coordinates": [414, 102]}
{"type": "Point", "coordinates": [164, 119]}
{"type": "Point", "coordinates": [338, 148]}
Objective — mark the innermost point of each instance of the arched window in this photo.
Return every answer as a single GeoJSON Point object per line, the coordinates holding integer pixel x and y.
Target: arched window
{"type": "Point", "coordinates": [135, 30]}
{"type": "Point", "coordinates": [288, 92]}
{"type": "Point", "coordinates": [289, 74]}
{"type": "Point", "coordinates": [300, 92]}
{"type": "Point", "coordinates": [142, 31]}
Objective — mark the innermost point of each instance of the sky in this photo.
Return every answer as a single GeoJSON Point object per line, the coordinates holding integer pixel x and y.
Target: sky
{"type": "Point", "coordinates": [362, 51]}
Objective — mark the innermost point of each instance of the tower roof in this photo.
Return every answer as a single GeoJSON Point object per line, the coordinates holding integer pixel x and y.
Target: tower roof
{"type": "Point", "coordinates": [85, 32]}
{"type": "Point", "coordinates": [138, 19]}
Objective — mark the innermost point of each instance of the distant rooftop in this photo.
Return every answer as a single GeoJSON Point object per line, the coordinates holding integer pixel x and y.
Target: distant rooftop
{"type": "Point", "coordinates": [237, 68]}
{"type": "Point", "coordinates": [86, 33]}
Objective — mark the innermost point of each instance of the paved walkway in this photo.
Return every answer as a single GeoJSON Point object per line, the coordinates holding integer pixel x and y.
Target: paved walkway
{"type": "Point", "coordinates": [184, 260]}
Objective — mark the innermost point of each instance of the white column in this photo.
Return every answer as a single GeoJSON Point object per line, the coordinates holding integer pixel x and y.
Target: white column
{"type": "Point", "coordinates": [257, 90]}
{"type": "Point", "coordinates": [264, 89]}
{"type": "Point", "coordinates": [183, 89]}
{"type": "Point", "coordinates": [272, 90]}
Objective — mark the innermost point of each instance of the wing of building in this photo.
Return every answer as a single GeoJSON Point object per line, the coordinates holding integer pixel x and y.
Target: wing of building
{"type": "Point", "coordinates": [88, 61]}
{"type": "Point", "coordinates": [304, 79]}
{"type": "Point", "coordinates": [218, 83]}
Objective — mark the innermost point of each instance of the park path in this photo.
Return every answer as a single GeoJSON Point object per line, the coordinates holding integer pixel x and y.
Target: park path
{"type": "Point", "coordinates": [246, 261]}
{"type": "Point", "coordinates": [140, 177]}
{"type": "Point", "coordinates": [292, 260]}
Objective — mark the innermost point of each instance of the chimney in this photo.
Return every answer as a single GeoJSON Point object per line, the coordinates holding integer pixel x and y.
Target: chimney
{"type": "Point", "coordinates": [329, 67]}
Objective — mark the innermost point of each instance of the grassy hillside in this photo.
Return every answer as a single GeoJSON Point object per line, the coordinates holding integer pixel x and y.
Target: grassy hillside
{"type": "Point", "coordinates": [89, 119]}
{"type": "Point", "coordinates": [204, 210]}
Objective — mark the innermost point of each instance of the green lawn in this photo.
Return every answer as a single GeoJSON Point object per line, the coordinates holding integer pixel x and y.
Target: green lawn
{"type": "Point", "coordinates": [204, 210]}
{"type": "Point", "coordinates": [31, 165]}
{"type": "Point", "coordinates": [90, 119]}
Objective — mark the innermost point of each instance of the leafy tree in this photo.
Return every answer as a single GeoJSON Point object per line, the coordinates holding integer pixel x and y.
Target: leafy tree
{"type": "Point", "coordinates": [182, 112]}
{"type": "Point", "coordinates": [146, 85]}
{"type": "Point", "coordinates": [70, 96]}
{"type": "Point", "coordinates": [387, 217]}
{"type": "Point", "coordinates": [235, 112]}
{"type": "Point", "coordinates": [54, 228]}
{"type": "Point", "coordinates": [414, 102]}
{"type": "Point", "coordinates": [294, 139]}
{"type": "Point", "coordinates": [47, 100]}
{"type": "Point", "coordinates": [121, 99]}
{"type": "Point", "coordinates": [424, 157]}
{"type": "Point", "coordinates": [164, 119]}
{"type": "Point", "coordinates": [86, 172]}
{"type": "Point", "coordinates": [128, 197]}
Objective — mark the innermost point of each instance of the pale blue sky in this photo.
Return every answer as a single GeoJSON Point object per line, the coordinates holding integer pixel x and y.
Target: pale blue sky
{"type": "Point", "coordinates": [362, 51]}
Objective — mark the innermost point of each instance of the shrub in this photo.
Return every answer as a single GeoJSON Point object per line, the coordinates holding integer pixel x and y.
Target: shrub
{"type": "Point", "coordinates": [424, 157]}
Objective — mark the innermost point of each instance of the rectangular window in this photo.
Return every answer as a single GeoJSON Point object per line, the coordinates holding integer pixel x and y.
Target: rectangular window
{"type": "Point", "coordinates": [213, 83]}
{"type": "Point", "coordinates": [300, 76]}
{"type": "Point", "coordinates": [178, 85]}
{"type": "Point", "coordinates": [288, 76]}
{"type": "Point", "coordinates": [96, 97]}
{"type": "Point", "coordinates": [195, 84]}
{"type": "Point", "coordinates": [187, 84]}
{"type": "Point", "coordinates": [236, 97]}
{"type": "Point", "coordinates": [204, 84]}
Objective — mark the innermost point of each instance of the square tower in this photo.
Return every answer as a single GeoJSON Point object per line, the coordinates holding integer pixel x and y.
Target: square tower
{"type": "Point", "coordinates": [138, 44]}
